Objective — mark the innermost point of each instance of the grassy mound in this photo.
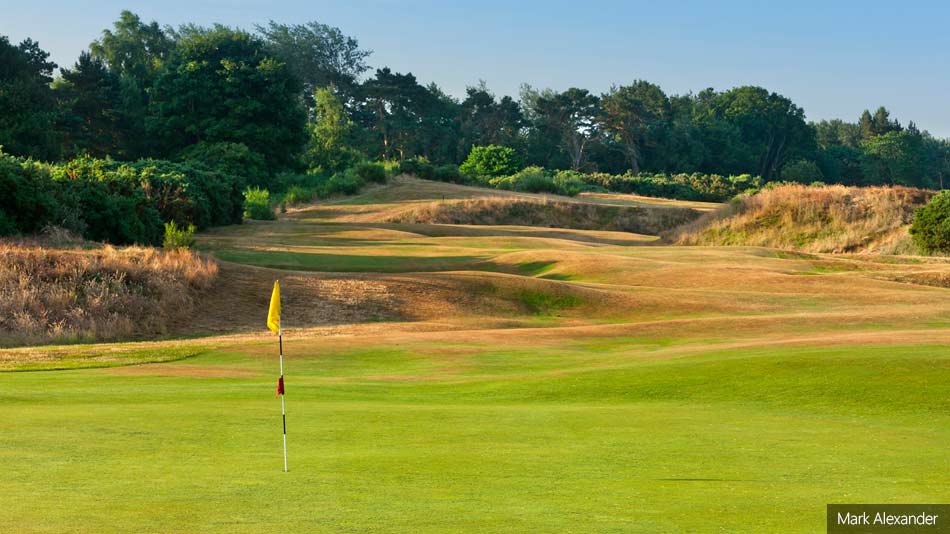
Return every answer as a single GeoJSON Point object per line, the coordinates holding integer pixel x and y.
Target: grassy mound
{"type": "Point", "coordinates": [812, 219]}
{"type": "Point", "coordinates": [531, 212]}
{"type": "Point", "coordinates": [86, 294]}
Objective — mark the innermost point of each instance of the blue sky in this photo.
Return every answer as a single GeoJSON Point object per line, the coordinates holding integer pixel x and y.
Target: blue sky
{"type": "Point", "coordinates": [832, 58]}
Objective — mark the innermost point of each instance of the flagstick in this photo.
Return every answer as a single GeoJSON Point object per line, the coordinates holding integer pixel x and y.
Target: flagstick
{"type": "Point", "coordinates": [283, 411]}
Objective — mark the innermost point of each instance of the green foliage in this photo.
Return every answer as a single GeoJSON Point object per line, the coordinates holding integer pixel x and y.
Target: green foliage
{"type": "Point", "coordinates": [235, 160]}
{"type": "Point", "coordinates": [448, 173]}
{"type": "Point", "coordinates": [696, 186]}
{"type": "Point", "coordinates": [528, 180]}
{"type": "Point", "coordinates": [27, 201]}
{"type": "Point", "coordinates": [179, 237]}
{"type": "Point", "coordinates": [187, 192]}
{"type": "Point", "coordinates": [370, 172]}
{"type": "Point", "coordinates": [105, 203]}
{"type": "Point", "coordinates": [331, 129]}
{"type": "Point", "coordinates": [570, 183]}
{"type": "Point", "coordinates": [931, 227]}
{"type": "Point", "coordinates": [491, 161]}
{"type": "Point", "coordinates": [88, 96]}
{"type": "Point", "coordinates": [27, 106]}
{"type": "Point", "coordinates": [317, 54]}
{"type": "Point", "coordinates": [801, 171]}
{"type": "Point", "coordinates": [419, 167]}
{"type": "Point", "coordinates": [221, 87]}
{"type": "Point", "coordinates": [257, 204]}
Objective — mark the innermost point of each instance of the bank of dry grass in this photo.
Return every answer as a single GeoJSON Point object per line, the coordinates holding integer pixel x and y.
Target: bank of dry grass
{"type": "Point", "coordinates": [93, 293]}
{"type": "Point", "coordinates": [551, 214]}
{"type": "Point", "coordinates": [812, 219]}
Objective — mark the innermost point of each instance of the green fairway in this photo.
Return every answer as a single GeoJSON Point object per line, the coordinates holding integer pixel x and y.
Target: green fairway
{"type": "Point", "coordinates": [456, 378]}
{"type": "Point", "coordinates": [636, 435]}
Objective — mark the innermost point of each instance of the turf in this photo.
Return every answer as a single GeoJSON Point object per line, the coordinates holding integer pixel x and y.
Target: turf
{"type": "Point", "coordinates": [556, 439]}
{"type": "Point", "coordinates": [529, 380]}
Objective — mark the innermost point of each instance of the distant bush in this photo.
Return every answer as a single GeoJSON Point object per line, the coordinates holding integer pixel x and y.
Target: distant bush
{"type": "Point", "coordinates": [696, 186]}
{"type": "Point", "coordinates": [419, 167]}
{"type": "Point", "coordinates": [448, 173]}
{"type": "Point", "coordinates": [491, 161]}
{"type": "Point", "coordinates": [234, 160]}
{"type": "Point", "coordinates": [26, 197]}
{"type": "Point", "coordinates": [179, 237]}
{"type": "Point", "coordinates": [528, 180]}
{"type": "Point", "coordinates": [931, 227]}
{"type": "Point", "coordinates": [370, 172]}
{"type": "Point", "coordinates": [801, 171]}
{"type": "Point", "coordinates": [297, 195]}
{"type": "Point", "coordinates": [570, 183]}
{"type": "Point", "coordinates": [257, 204]}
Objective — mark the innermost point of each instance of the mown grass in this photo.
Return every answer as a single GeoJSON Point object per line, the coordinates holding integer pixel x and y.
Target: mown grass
{"type": "Point", "coordinates": [477, 437]}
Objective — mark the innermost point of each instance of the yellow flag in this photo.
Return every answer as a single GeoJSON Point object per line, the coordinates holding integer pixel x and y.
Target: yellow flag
{"type": "Point", "coordinates": [273, 315]}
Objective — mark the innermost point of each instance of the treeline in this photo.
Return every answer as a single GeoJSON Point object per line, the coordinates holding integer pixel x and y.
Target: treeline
{"type": "Point", "coordinates": [299, 100]}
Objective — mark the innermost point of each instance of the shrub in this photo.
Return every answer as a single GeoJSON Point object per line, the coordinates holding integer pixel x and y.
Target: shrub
{"type": "Point", "coordinates": [931, 227]}
{"type": "Point", "coordinates": [569, 183]}
{"type": "Point", "coordinates": [448, 173]}
{"type": "Point", "coordinates": [26, 200]}
{"type": "Point", "coordinates": [492, 161]}
{"type": "Point", "coordinates": [370, 172]}
{"type": "Point", "coordinates": [257, 204]}
{"type": "Point", "coordinates": [419, 167]}
{"type": "Point", "coordinates": [179, 237]}
{"type": "Point", "coordinates": [342, 183]}
{"type": "Point", "coordinates": [298, 194]}
{"type": "Point", "coordinates": [110, 205]}
{"type": "Point", "coordinates": [801, 171]}
{"type": "Point", "coordinates": [529, 180]}
{"type": "Point", "coordinates": [234, 160]}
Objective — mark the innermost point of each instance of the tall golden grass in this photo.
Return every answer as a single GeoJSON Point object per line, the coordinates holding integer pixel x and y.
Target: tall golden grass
{"type": "Point", "coordinates": [552, 214]}
{"type": "Point", "coordinates": [84, 293]}
{"type": "Point", "coordinates": [812, 219]}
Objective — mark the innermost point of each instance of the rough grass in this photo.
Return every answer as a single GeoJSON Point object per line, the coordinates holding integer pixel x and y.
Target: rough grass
{"type": "Point", "coordinates": [812, 219]}
{"type": "Point", "coordinates": [94, 294]}
{"type": "Point", "coordinates": [532, 212]}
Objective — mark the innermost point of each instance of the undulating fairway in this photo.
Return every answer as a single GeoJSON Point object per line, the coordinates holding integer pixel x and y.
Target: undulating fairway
{"type": "Point", "coordinates": [449, 378]}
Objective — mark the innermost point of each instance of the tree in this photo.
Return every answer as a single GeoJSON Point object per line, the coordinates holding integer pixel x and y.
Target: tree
{"type": "Point", "coordinates": [222, 86]}
{"type": "Point", "coordinates": [319, 55]}
{"type": "Point", "coordinates": [330, 133]}
{"type": "Point", "coordinates": [392, 106]}
{"type": "Point", "coordinates": [88, 96]}
{"type": "Point", "coordinates": [892, 158]}
{"type": "Point", "coordinates": [27, 105]}
{"type": "Point", "coordinates": [487, 121]}
{"type": "Point", "coordinates": [759, 129]}
{"type": "Point", "coordinates": [633, 116]}
{"type": "Point", "coordinates": [573, 116]}
{"type": "Point", "coordinates": [135, 53]}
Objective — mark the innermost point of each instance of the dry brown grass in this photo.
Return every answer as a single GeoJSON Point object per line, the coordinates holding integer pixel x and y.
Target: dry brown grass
{"type": "Point", "coordinates": [812, 219]}
{"type": "Point", "coordinates": [532, 212]}
{"type": "Point", "coordinates": [99, 293]}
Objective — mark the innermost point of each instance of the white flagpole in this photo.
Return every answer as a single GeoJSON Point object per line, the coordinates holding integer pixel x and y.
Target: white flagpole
{"type": "Point", "coordinates": [283, 411]}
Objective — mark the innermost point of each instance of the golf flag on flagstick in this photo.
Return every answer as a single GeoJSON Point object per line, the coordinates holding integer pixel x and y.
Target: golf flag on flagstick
{"type": "Point", "coordinates": [273, 322]}
{"type": "Point", "coordinates": [273, 315]}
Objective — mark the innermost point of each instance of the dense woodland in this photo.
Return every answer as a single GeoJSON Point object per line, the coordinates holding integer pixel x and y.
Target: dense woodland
{"type": "Point", "coordinates": [189, 112]}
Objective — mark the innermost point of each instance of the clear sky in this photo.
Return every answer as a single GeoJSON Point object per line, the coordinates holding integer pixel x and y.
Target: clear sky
{"type": "Point", "coordinates": [833, 58]}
